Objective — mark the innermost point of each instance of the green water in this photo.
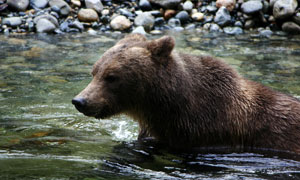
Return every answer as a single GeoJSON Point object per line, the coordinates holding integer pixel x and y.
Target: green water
{"type": "Point", "coordinates": [42, 136]}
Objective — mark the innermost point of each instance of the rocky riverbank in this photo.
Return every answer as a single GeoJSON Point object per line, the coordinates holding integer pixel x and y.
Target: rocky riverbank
{"type": "Point", "coordinates": [149, 16]}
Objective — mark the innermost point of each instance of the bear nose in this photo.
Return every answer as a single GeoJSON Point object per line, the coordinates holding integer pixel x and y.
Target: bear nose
{"type": "Point", "coordinates": [79, 103]}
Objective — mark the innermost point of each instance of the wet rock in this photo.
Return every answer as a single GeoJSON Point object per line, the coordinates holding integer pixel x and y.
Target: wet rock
{"type": "Point", "coordinates": [233, 30]}
{"type": "Point", "coordinates": [198, 16]}
{"type": "Point", "coordinates": [105, 12]}
{"type": "Point", "coordinates": [62, 7]}
{"type": "Point", "coordinates": [19, 5]}
{"type": "Point", "coordinates": [265, 33]}
{"type": "Point", "coordinates": [88, 15]}
{"type": "Point", "coordinates": [120, 23]}
{"type": "Point", "coordinates": [173, 22]}
{"type": "Point", "coordinates": [145, 5]}
{"type": "Point", "coordinates": [146, 20]}
{"type": "Point", "coordinates": [222, 17]}
{"type": "Point", "coordinates": [12, 21]}
{"type": "Point", "coordinates": [190, 27]}
{"type": "Point", "coordinates": [296, 18]}
{"type": "Point", "coordinates": [284, 8]}
{"type": "Point", "coordinates": [291, 27]}
{"type": "Point", "coordinates": [167, 4]}
{"type": "Point", "coordinates": [94, 4]}
{"type": "Point", "coordinates": [178, 29]}
{"type": "Point", "coordinates": [156, 13]}
{"type": "Point", "coordinates": [251, 7]}
{"type": "Point", "coordinates": [183, 16]}
{"type": "Point", "coordinates": [45, 26]}
{"type": "Point", "coordinates": [229, 4]}
{"type": "Point", "coordinates": [211, 9]}
{"type": "Point", "coordinates": [49, 17]}
{"type": "Point", "coordinates": [214, 28]}
{"type": "Point", "coordinates": [169, 13]}
{"type": "Point", "coordinates": [38, 4]}
{"type": "Point", "coordinates": [140, 30]}
{"type": "Point", "coordinates": [187, 6]}
{"type": "Point", "coordinates": [64, 27]}
{"type": "Point", "coordinates": [238, 24]}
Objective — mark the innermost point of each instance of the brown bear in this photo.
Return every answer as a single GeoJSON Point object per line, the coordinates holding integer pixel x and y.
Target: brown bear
{"type": "Point", "coordinates": [188, 101]}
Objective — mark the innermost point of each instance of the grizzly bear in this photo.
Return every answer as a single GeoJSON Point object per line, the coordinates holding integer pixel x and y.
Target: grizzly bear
{"type": "Point", "coordinates": [187, 101]}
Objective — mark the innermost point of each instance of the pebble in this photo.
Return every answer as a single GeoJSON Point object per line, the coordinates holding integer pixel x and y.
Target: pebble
{"type": "Point", "coordinates": [198, 16]}
{"type": "Point", "coordinates": [233, 30]}
{"type": "Point", "coordinates": [145, 5]}
{"type": "Point", "coordinates": [229, 4]}
{"type": "Point", "coordinates": [140, 30]}
{"type": "Point", "coordinates": [284, 8]}
{"type": "Point", "coordinates": [76, 3]}
{"type": "Point", "coordinates": [173, 22]}
{"type": "Point", "coordinates": [251, 7]}
{"type": "Point", "coordinates": [76, 24]}
{"type": "Point", "coordinates": [169, 13]}
{"type": "Point", "coordinates": [19, 5]}
{"type": "Point", "coordinates": [38, 4]}
{"type": "Point", "coordinates": [266, 33]}
{"type": "Point", "coordinates": [214, 28]}
{"type": "Point", "coordinates": [167, 4]}
{"type": "Point", "coordinates": [94, 4]}
{"type": "Point", "coordinates": [296, 18]}
{"type": "Point", "coordinates": [222, 17]}
{"type": "Point", "coordinates": [183, 16]}
{"type": "Point", "coordinates": [88, 15]}
{"type": "Point", "coordinates": [126, 13]}
{"type": "Point", "coordinates": [49, 17]}
{"type": "Point", "coordinates": [187, 6]}
{"type": "Point", "coordinates": [159, 21]}
{"type": "Point", "coordinates": [12, 21]}
{"type": "Point", "coordinates": [291, 27]}
{"type": "Point", "coordinates": [120, 23]}
{"type": "Point", "coordinates": [45, 26]}
{"type": "Point", "coordinates": [61, 7]}
{"type": "Point", "coordinates": [249, 24]}
{"type": "Point", "coordinates": [146, 20]}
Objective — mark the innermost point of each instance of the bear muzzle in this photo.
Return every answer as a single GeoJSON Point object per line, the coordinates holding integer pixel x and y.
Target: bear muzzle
{"type": "Point", "coordinates": [80, 104]}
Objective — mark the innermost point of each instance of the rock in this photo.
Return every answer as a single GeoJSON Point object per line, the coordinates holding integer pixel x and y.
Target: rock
{"type": "Point", "coordinates": [77, 25]}
{"type": "Point", "coordinates": [49, 17]}
{"type": "Point", "coordinates": [284, 8]}
{"type": "Point", "coordinates": [233, 30]}
{"type": "Point", "coordinates": [126, 13]}
{"type": "Point", "coordinates": [178, 29]}
{"type": "Point", "coordinates": [211, 9]}
{"type": "Point", "coordinates": [146, 20]}
{"type": "Point", "coordinates": [265, 33]}
{"type": "Point", "coordinates": [76, 3]}
{"type": "Point", "coordinates": [214, 28]}
{"type": "Point", "coordinates": [45, 26]}
{"type": "Point", "coordinates": [183, 16]}
{"type": "Point", "coordinates": [145, 5]}
{"type": "Point", "coordinates": [38, 4]}
{"type": "Point", "coordinates": [19, 5]}
{"type": "Point", "coordinates": [63, 8]}
{"type": "Point", "coordinates": [159, 21]}
{"type": "Point", "coordinates": [120, 23]}
{"type": "Point", "coordinates": [272, 2]}
{"type": "Point", "coordinates": [229, 4]}
{"type": "Point", "coordinates": [188, 6]}
{"type": "Point", "coordinates": [140, 30]}
{"type": "Point", "coordinates": [238, 24]}
{"type": "Point", "coordinates": [88, 15]}
{"type": "Point", "coordinates": [156, 13]}
{"type": "Point", "coordinates": [296, 18]}
{"type": "Point", "coordinates": [222, 17]}
{"type": "Point", "coordinates": [105, 12]}
{"type": "Point", "coordinates": [190, 27]}
{"type": "Point", "coordinates": [251, 7]}
{"type": "Point", "coordinates": [94, 4]}
{"type": "Point", "coordinates": [167, 4]}
{"type": "Point", "coordinates": [249, 24]}
{"type": "Point", "coordinates": [291, 27]}
{"type": "Point", "coordinates": [198, 16]}
{"type": "Point", "coordinates": [169, 13]}
{"type": "Point", "coordinates": [173, 22]}
{"type": "Point", "coordinates": [12, 21]}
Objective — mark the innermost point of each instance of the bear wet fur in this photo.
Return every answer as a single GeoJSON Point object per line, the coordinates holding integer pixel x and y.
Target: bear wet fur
{"type": "Point", "coordinates": [188, 101]}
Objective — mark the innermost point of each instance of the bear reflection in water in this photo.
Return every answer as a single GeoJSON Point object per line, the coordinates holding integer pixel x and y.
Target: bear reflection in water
{"type": "Point", "coordinates": [187, 101]}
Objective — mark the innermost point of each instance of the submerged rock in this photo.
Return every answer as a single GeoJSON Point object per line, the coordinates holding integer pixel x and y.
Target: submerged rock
{"type": "Point", "coordinates": [233, 30]}
{"type": "Point", "coordinates": [140, 30]}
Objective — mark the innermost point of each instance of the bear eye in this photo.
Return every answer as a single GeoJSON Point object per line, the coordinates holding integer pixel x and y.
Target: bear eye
{"type": "Point", "coordinates": [111, 78]}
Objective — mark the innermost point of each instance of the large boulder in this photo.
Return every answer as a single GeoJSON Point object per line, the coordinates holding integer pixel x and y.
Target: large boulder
{"type": "Point", "coordinates": [284, 8]}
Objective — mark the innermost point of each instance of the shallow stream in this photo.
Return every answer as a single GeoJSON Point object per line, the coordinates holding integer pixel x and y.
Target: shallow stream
{"type": "Point", "coordinates": [42, 136]}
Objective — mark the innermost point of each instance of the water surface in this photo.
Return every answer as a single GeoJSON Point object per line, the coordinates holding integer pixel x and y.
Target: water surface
{"type": "Point", "coordinates": [42, 136]}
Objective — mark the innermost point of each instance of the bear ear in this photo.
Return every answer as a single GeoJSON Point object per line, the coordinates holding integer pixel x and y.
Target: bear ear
{"type": "Point", "coordinates": [161, 47]}
{"type": "Point", "coordinates": [135, 37]}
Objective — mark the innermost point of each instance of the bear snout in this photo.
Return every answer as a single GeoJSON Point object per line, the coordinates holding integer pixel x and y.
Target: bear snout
{"type": "Point", "coordinates": [79, 103]}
